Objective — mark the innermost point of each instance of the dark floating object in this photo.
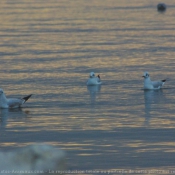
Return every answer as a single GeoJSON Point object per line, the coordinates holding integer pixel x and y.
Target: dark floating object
{"type": "Point", "coordinates": [161, 7]}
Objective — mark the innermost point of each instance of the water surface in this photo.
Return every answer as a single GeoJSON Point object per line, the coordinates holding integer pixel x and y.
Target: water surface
{"type": "Point", "coordinates": [48, 49]}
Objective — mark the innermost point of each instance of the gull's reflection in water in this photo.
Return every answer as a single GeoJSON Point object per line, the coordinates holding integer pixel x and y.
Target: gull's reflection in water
{"type": "Point", "coordinates": [93, 90]}
{"type": "Point", "coordinates": [152, 98]}
{"type": "Point", "coordinates": [6, 114]}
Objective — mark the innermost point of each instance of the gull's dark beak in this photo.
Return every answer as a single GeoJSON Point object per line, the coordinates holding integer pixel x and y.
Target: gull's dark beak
{"type": "Point", "coordinates": [143, 76]}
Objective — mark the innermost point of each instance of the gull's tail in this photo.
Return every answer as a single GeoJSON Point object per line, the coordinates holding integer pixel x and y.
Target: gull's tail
{"type": "Point", "coordinates": [26, 98]}
{"type": "Point", "coordinates": [163, 82]}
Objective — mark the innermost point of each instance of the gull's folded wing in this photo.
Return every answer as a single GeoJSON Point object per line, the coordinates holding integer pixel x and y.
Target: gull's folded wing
{"type": "Point", "coordinates": [14, 102]}
{"type": "Point", "coordinates": [157, 84]}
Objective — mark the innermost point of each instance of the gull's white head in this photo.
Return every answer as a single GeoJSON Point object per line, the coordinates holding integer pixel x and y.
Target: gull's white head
{"type": "Point", "coordinates": [1, 91]}
{"type": "Point", "coordinates": [92, 74]}
{"type": "Point", "coordinates": [146, 75]}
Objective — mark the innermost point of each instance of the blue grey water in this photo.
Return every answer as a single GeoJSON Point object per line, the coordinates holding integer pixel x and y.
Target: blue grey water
{"type": "Point", "coordinates": [48, 49]}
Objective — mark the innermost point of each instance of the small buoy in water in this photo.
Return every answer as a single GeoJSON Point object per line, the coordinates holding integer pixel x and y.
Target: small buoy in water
{"type": "Point", "coordinates": [161, 7]}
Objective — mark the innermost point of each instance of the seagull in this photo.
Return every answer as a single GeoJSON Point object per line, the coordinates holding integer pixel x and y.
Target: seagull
{"type": "Point", "coordinates": [148, 84]}
{"type": "Point", "coordinates": [12, 102]}
{"type": "Point", "coordinates": [93, 80]}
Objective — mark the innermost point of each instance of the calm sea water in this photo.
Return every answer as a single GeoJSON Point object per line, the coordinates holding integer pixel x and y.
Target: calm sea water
{"type": "Point", "coordinates": [48, 48]}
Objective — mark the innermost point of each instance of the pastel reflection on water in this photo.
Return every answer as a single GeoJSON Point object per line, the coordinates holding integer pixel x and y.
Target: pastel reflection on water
{"type": "Point", "coordinates": [93, 91]}
{"type": "Point", "coordinates": [12, 114]}
{"type": "Point", "coordinates": [152, 98]}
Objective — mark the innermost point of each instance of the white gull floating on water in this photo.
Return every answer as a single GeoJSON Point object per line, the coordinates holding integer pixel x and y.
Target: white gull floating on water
{"type": "Point", "coordinates": [12, 102]}
{"type": "Point", "coordinates": [93, 80]}
{"type": "Point", "coordinates": [148, 84]}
